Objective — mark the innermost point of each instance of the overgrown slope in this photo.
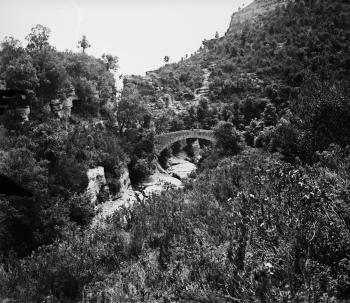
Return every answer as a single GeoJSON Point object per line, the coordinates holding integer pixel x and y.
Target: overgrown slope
{"type": "Point", "coordinates": [270, 224]}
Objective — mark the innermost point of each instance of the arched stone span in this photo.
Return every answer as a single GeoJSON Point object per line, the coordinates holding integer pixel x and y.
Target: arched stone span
{"type": "Point", "coordinates": [168, 139]}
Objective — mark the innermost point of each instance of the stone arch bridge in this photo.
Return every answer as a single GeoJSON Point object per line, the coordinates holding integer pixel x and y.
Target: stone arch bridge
{"type": "Point", "coordinates": [166, 140]}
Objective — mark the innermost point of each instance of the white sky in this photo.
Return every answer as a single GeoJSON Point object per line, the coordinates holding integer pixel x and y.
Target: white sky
{"type": "Point", "coordinates": [139, 32]}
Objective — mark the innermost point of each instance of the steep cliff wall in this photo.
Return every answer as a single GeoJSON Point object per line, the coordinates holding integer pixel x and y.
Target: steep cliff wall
{"type": "Point", "coordinates": [251, 12]}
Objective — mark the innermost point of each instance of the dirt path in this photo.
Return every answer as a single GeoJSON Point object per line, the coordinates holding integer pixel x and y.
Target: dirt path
{"type": "Point", "coordinates": [203, 91]}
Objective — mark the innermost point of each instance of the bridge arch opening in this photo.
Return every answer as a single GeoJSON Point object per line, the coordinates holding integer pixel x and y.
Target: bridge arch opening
{"type": "Point", "coordinates": [164, 141]}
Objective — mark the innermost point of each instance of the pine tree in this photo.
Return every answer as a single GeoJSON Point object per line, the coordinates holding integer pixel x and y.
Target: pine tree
{"type": "Point", "coordinates": [84, 43]}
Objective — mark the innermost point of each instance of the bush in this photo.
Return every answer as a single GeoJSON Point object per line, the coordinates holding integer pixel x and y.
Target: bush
{"type": "Point", "coordinates": [251, 217]}
{"type": "Point", "coordinates": [164, 157]}
{"type": "Point", "coordinates": [188, 149]}
{"type": "Point", "coordinates": [68, 175]}
{"type": "Point", "coordinates": [176, 148]}
{"type": "Point", "coordinates": [139, 169]}
{"type": "Point", "coordinates": [264, 137]}
{"type": "Point", "coordinates": [229, 140]}
{"type": "Point", "coordinates": [81, 210]}
{"type": "Point", "coordinates": [269, 115]}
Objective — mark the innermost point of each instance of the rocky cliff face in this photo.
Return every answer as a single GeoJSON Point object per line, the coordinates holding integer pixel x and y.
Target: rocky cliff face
{"type": "Point", "coordinates": [251, 12]}
{"type": "Point", "coordinates": [124, 179]}
{"type": "Point", "coordinates": [97, 179]}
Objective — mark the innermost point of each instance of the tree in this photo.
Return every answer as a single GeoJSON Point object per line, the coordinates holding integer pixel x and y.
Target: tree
{"type": "Point", "coordinates": [38, 38]}
{"type": "Point", "coordinates": [252, 108]}
{"type": "Point", "coordinates": [106, 87]}
{"type": "Point", "coordinates": [86, 90]}
{"type": "Point", "coordinates": [20, 165]}
{"type": "Point", "coordinates": [67, 175]}
{"type": "Point", "coordinates": [217, 35]}
{"type": "Point", "coordinates": [131, 109]}
{"type": "Point", "coordinates": [236, 118]}
{"type": "Point", "coordinates": [244, 36]}
{"type": "Point", "coordinates": [52, 74]}
{"type": "Point", "coordinates": [10, 48]}
{"type": "Point", "coordinates": [202, 109]}
{"type": "Point", "coordinates": [228, 138]}
{"type": "Point", "coordinates": [164, 157]}
{"type": "Point", "coordinates": [176, 124]}
{"type": "Point", "coordinates": [270, 115]}
{"type": "Point", "coordinates": [20, 73]}
{"type": "Point", "coordinates": [252, 130]}
{"type": "Point", "coordinates": [93, 83]}
{"type": "Point", "coordinates": [139, 170]}
{"type": "Point", "coordinates": [84, 43]}
{"type": "Point", "coordinates": [166, 59]}
{"type": "Point", "coordinates": [110, 61]}
{"type": "Point", "coordinates": [176, 148]}
{"type": "Point", "coordinates": [322, 116]}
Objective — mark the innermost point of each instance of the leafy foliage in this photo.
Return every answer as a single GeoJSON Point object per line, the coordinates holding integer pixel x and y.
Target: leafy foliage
{"type": "Point", "coordinates": [228, 139]}
{"type": "Point", "coordinates": [84, 43]}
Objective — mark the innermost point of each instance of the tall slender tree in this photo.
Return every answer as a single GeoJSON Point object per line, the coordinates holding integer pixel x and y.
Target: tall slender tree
{"type": "Point", "coordinates": [84, 43]}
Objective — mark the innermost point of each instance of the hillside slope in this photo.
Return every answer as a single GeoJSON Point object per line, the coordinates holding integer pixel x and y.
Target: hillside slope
{"type": "Point", "coordinates": [249, 227]}
{"type": "Point", "coordinates": [274, 56]}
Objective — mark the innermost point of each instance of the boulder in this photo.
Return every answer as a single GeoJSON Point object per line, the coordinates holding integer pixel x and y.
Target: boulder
{"type": "Point", "coordinates": [97, 180]}
{"type": "Point", "coordinates": [62, 108]}
{"type": "Point", "coordinates": [124, 179]}
{"type": "Point", "coordinates": [56, 107]}
{"type": "Point", "coordinates": [67, 105]}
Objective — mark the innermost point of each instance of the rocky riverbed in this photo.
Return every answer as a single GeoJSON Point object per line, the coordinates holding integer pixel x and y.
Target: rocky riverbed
{"type": "Point", "coordinates": [180, 167]}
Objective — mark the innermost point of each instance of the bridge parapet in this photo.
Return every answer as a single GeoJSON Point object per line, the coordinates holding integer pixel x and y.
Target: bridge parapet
{"type": "Point", "coordinates": [166, 140]}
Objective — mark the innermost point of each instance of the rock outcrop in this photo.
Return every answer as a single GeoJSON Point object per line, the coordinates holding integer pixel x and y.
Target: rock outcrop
{"type": "Point", "coordinates": [14, 103]}
{"type": "Point", "coordinates": [125, 197]}
{"type": "Point", "coordinates": [97, 179]}
{"type": "Point", "coordinates": [124, 179]}
{"type": "Point", "coordinates": [252, 12]}
{"type": "Point", "coordinates": [63, 108]}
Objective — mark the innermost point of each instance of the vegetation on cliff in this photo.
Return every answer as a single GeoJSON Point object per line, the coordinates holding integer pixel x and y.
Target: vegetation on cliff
{"type": "Point", "coordinates": [48, 156]}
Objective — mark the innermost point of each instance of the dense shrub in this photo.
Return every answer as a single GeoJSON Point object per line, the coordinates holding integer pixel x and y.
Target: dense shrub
{"type": "Point", "coordinates": [253, 228]}
{"type": "Point", "coordinates": [176, 148]}
{"type": "Point", "coordinates": [139, 169]}
{"type": "Point", "coordinates": [164, 157]}
{"type": "Point", "coordinates": [229, 140]}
